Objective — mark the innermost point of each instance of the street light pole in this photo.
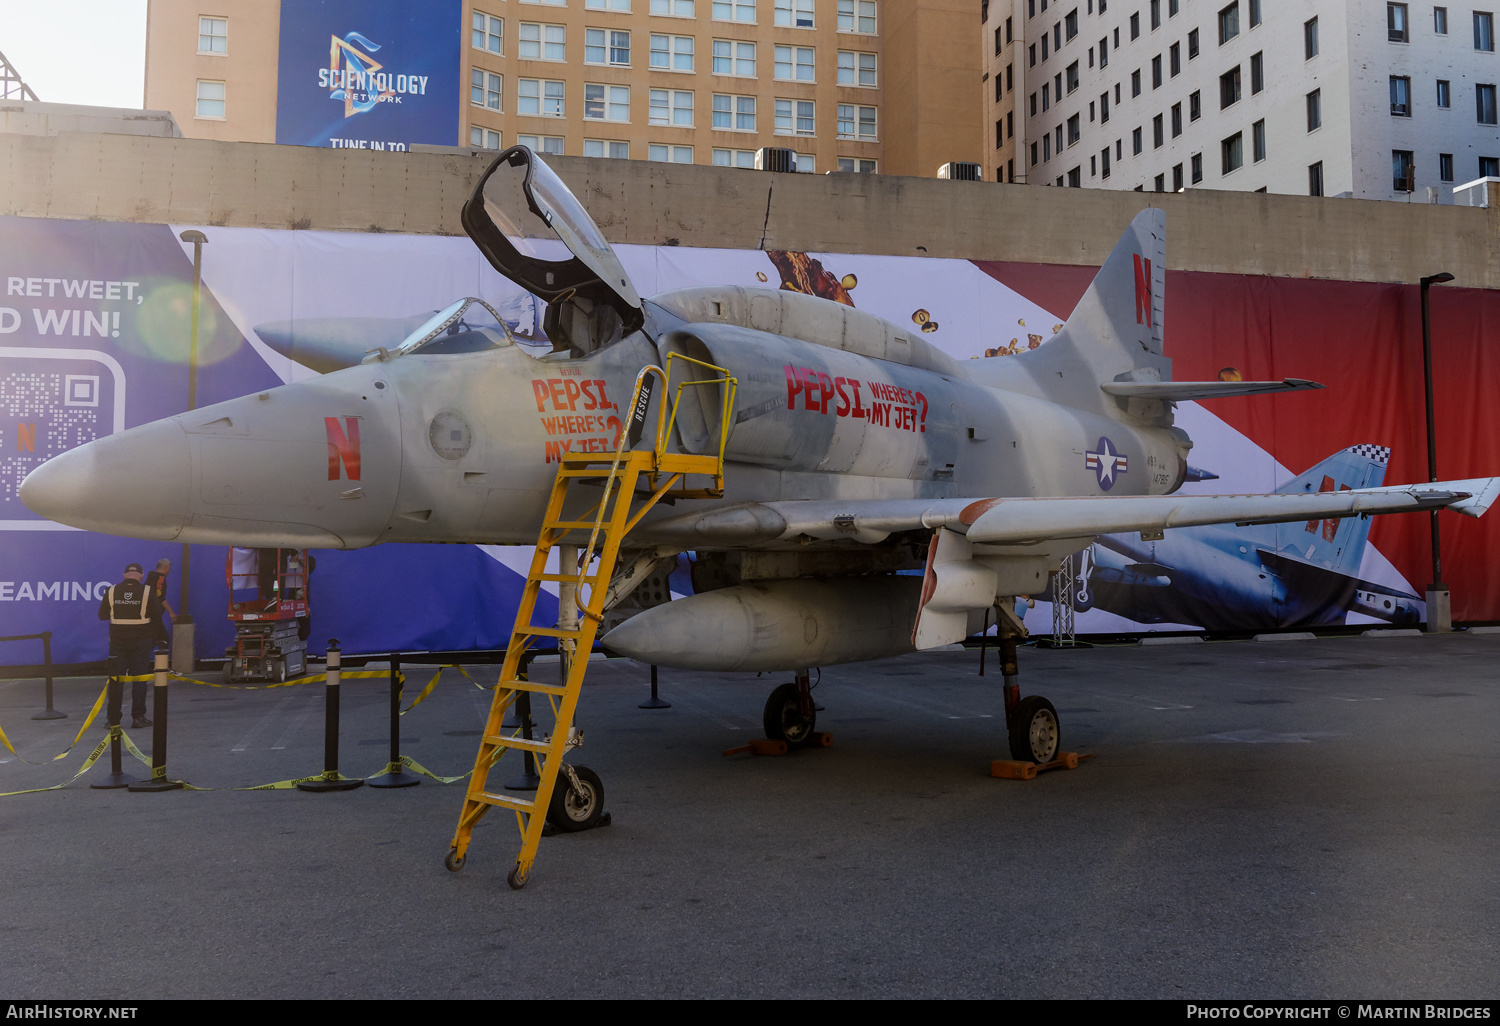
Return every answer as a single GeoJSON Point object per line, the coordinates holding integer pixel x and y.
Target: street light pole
{"type": "Point", "coordinates": [183, 629]}
{"type": "Point", "coordinates": [1439, 601]}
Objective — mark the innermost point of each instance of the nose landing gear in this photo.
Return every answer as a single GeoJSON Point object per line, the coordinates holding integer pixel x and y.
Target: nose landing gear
{"type": "Point", "coordinates": [790, 714]}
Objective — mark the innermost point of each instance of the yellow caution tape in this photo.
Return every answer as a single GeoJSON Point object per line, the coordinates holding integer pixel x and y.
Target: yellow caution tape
{"type": "Point", "coordinates": [98, 704]}
{"type": "Point", "coordinates": [416, 767]}
{"type": "Point", "coordinates": [433, 683]}
{"type": "Point", "coordinates": [311, 679]}
{"type": "Point", "coordinates": [283, 785]}
{"type": "Point", "coordinates": [87, 765]}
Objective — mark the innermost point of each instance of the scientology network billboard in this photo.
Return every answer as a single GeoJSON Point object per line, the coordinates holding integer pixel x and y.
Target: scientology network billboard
{"type": "Point", "coordinates": [369, 74]}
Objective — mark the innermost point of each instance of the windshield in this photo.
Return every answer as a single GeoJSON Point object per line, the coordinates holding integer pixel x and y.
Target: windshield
{"type": "Point", "coordinates": [468, 325]}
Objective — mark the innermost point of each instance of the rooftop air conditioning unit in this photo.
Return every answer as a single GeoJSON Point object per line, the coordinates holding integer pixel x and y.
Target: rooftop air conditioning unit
{"type": "Point", "coordinates": [961, 170]}
{"type": "Point", "coordinates": [775, 158]}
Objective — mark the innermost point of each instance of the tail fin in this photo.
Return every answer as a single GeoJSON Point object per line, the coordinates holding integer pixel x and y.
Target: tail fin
{"type": "Point", "coordinates": [1115, 331]}
{"type": "Point", "coordinates": [1336, 544]}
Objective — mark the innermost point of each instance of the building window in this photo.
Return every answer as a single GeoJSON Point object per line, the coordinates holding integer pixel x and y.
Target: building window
{"type": "Point", "coordinates": [866, 166]}
{"type": "Point", "coordinates": [855, 122]}
{"type": "Point", "coordinates": [1158, 133]}
{"type": "Point", "coordinates": [211, 99]}
{"type": "Point", "coordinates": [795, 117]}
{"type": "Point", "coordinates": [606, 148]}
{"type": "Point", "coordinates": [674, 9]}
{"type": "Point", "coordinates": [1044, 46]}
{"type": "Point", "coordinates": [858, 69]}
{"type": "Point", "coordinates": [540, 42]}
{"type": "Point", "coordinates": [484, 138]}
{"type": "Point", "coordinates": [488, 33]}
{"type": "Point", "coordinates": [1031, 55]}
{"type": "Point", "coordinates": [1174, 59]}
{"type": "Point", "coordinates": [1135, 82]}
{"type": "Point", "coordinates": [1160, 185]}
{"type": "Point", "coordinates": [734, 158]}
{"type": "Point", "coordinates": [793, 63]}
{"type": "Point", "coordinates": [1033, 154]}
{"type": "Point", "coordinates": [605, 5]}
{"type": "Point", "coordinates": [1033, 104]}
{"type": "Point", "coordinates": [1195, 105]}
{"type": "Point", "coordinates": [1444, 94]}
{"type": "Point", "coordinates": [1104, 162]}
{"type": "Point", "coordinates": [1195, 165]}
{"type": "Point", "coordinates": [669, 154]}
{"type": "Point", "coordinates": [1229, 87]}
{"type": "Point", "coordinates": [1440, 21]}
{"type": "Point", "coordinates": [1135, 142]}
{"type": "Point", "coordinates": [485, 88]}
{"type": "Point", "coordinates": [1257, 72]}
{"type": "Point", "coordinates": [1073, 130]}
{"type": "Point", "coordinates": [1309, 39]}
{"type": "Point", "coordinates": [1258, 141]}
{"type": "Point", "coordinates": [213, 35]}
{"type": "Point", "coordinates": [1315, 110]}
{"type": "Point", "coordinates": [670, 107]}
{"type": "Point", "coordinates": [539, 96]}
{"type": "Point", "coordinates": [606, 46]}
{"type": "Point", "coordinates": [1315, 179]}
{"type": "Point", "coordinates": [1484, 104]}
{"type": "Point", "coordinates": [1156, 72]}
{"type": "Point", "coordinates": [1135, 26]}
{"type": "Point", "coordinates": [1070, 24]}
{"type": "Point", "coordinates": [1445, 167]}
{"type": "Point", "coordinates": [794, 13]}
{"type": "Point", "coordinates": [1229, 23]}
{"type": "Point", "coordinates": [1046, 96]}
{"type": "Point", "coordinates": [1176, 120]}
{"type": "Point", "coordinates": [1176, 177]}
{"type": "Point", "coordinates": [1395, 23]}
{"type": "Point", "coordinates": [1233, 151]}
{"type": "Point", "coordinates": [1484, 31]}
{"type": "Point", "coordinates": [542, 143]}
{"type": "Point", "coordinates": [1075, 177]}
{"type": "Point", "coordinates": [1103, 108]}
{"type": "Point", "coordinates": [606, 102]}
{"type": "Point", "coordinates": [1047, 147]}
{"type": "Point", "coordinates": [732, 57]}
{"type": "Point", "coordinates": [671, 53]}
{"type": "Point", "coordinates": [1403, 171]}
{"type": "Point", "coordinates": [1156, 14]}
{"type": "Point", "coordinates": [1400, 96]}
{"type": "Point", "coordinates": [1072, 76]}
{"type": "Point", "coordinates": [734, 113]}
{"type": "Point", "coordinates": [734, 10]}
{"type": "Point", "coordinates": [1489, 167]}
{"type": "Point", "coordinates": [1104, 52]}
{"type": "Point", "coordinates": [1192, 44]}
{"type": "Point", "coordinates": [858, 15]}
{"type": "Point", "coordinates": [1171, 8]}
{"type": "Point", "coordinates": [805, 163]}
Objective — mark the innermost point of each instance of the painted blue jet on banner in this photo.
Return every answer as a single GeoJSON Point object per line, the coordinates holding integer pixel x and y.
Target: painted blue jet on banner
{"type": "Point", "coordinates": [1270, 576]}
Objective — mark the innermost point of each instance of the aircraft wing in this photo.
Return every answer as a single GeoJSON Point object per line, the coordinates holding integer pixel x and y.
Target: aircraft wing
{"type": "Point", "coordinates": [1029, 521]}
{"type": "Point", "coordinates": [1181, 391]}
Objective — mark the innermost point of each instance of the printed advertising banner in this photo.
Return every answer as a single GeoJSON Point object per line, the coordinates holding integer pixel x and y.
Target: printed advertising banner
{"type": "Point", "coordinates": [94, 328]}
{"type": "Point", "coordinates": [369, 74]}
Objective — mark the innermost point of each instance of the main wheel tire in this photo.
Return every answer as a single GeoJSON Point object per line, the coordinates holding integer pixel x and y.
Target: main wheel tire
{"type": "Point", "coordinates": [570, 811]}
{"type": "Point", "coordinates": [783, 718]}
{"type": "Point", "coordinates": [1035, 733]}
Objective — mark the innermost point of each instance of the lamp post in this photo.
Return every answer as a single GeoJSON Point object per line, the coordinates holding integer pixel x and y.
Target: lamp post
{"type": "Point", "coordinates": [183, 629]}
{"type": "Point", "coordinates": [1439, 602]}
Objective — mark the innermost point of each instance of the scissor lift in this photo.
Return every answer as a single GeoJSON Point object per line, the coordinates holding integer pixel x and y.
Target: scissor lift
{"type": "Point", "coordinates": [606, 525]}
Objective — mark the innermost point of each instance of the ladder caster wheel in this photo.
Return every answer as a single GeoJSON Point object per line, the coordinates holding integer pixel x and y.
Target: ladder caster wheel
{"type": "Point", "coordinates": [454, 861]}
{"type": "Point", "coordinates": [517, 879]}
{"type": "Point", "coordinates": [571, 811]}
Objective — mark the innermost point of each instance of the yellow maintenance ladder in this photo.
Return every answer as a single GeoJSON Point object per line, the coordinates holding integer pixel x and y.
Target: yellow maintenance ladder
{"type": "Point", "coordinates": [606, 524]}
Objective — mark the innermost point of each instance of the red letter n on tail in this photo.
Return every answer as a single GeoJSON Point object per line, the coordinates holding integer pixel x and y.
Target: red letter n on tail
{"type": "Point", "coordinates": [1142, 291]}
{"type": "Point", "coordinates": [343, 447]}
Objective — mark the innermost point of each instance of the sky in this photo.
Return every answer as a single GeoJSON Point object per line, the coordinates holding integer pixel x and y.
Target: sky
{"type": "Point", "coordinates": [78, 51]}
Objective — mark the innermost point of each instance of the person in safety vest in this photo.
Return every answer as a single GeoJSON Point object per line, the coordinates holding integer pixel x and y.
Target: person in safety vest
{"type": "Point", "coordinates": [134, 614]}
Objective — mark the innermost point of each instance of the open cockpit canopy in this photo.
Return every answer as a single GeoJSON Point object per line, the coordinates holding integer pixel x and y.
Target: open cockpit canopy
{"type": "Point", "coordinates": [467, 325]}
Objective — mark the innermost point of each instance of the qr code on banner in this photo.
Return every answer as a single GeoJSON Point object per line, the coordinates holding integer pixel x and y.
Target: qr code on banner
{"type": "Point", "coordinates": [49, 403]}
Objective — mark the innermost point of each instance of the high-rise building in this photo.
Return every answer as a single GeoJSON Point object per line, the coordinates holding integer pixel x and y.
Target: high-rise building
{"type": "Point", "coordinates": [1339, 97]}
{"type": "Point", "coordinates": [850, 85]}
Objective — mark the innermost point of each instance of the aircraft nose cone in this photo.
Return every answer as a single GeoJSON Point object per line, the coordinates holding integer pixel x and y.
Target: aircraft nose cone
{"type": "Point", "coordinates": [137, 483]}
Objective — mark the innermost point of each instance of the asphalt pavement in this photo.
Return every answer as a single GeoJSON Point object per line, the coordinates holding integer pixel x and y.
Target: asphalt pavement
{"type": "Point", "coordinates": [1315, 819]}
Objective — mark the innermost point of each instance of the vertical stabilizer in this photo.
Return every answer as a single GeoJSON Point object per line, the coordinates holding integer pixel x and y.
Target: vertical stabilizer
{"type": "Point", "coordinates": [1336, 544]}
{"type": "Point", "coordinates": [1115, 332]}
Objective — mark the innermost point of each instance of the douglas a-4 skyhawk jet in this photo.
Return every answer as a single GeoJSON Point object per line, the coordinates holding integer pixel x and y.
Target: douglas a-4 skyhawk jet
{"type": "Point", "coordinates": [852, 450]}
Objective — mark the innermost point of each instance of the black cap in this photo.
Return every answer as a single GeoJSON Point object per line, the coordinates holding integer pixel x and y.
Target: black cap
{"type": "Point", "coordinates": [135, 568]}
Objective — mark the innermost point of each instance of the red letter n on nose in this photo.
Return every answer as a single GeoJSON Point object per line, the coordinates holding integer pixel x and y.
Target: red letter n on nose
{"type": "Point", "coordinates": [1142, 291]}
{"type": "Point", "coordinates": [342, 447]}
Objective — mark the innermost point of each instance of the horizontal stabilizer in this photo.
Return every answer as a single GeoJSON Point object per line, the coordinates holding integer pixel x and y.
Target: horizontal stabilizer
{"type": "Point", "coordinates": [1181, 391]}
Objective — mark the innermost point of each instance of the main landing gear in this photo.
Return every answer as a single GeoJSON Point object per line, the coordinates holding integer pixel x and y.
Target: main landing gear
{"type": "Point", "coordinates": [1035, 734]}
{"type": "Point", "coordinates": [791, 714]}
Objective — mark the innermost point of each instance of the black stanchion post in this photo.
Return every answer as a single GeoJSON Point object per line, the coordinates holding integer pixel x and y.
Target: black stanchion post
{"type": "Point", "coordinates": [330, 780]}
{"type": "Point", "coordinates": [117, 777]}
{"type": "Point", "coordinates": [529, 780]}
{"type": "Point", "coordinates": [654, 702]}
{"type": "Point", "coordinates": [50, 713]}
{"type": "Point", "coordinates": [395, 774]}
{"type": "Point", "coordinates": [159, 781]}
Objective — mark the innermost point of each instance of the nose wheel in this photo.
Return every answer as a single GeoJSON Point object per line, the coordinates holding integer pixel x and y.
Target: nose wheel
{"type": "Point", "coordinates": [790, 713]}
{"type": "Point", "coordinates": [1035, 734]}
